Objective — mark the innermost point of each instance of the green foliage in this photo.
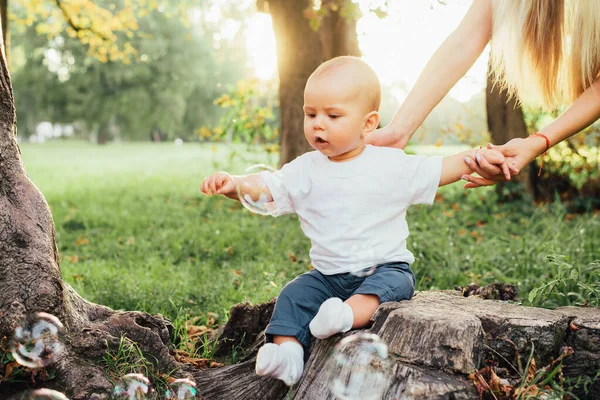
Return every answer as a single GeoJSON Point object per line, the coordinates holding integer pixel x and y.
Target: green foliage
{"type": "Point", "coordinates": [459, 133]}
{"type": "Point", "coordinates": [170, 84]}
{"type": "Point", "coordinates": [577, 159]}
{"type": "Point", "coordinates": [128, 358]}
{"type": "Point", "coordinates": [347, 9]}
{"type": "Point", "coordinates": [97, 23]}
{"type": "Point", "coordinates": [135, 233]}
{"type": "Point", "coordinates": [249, 118]}
{"type": "Point", "coordinates": [249, 115]}
{"type": "Point", "coordinates": [569, 277]}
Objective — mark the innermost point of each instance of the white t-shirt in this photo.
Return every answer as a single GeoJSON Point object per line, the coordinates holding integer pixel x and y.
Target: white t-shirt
{"type": "Point", "coordinates": [354, 212]}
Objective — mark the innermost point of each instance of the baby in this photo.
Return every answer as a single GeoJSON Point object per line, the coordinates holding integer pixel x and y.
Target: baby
{"type": "Point", "coordinates": [351, 201]}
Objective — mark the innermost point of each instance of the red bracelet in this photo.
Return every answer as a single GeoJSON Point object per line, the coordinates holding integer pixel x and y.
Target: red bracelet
{"type": "Point", "coordinates": [547, 147]}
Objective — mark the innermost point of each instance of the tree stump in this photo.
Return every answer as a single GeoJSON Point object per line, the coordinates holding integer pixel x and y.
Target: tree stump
{"type": "Point", "coordinates": [436, 340]}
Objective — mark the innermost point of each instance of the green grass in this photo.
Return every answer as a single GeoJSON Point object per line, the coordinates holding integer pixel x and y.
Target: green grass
{"type": "Point", "coordinates": [134, 232]}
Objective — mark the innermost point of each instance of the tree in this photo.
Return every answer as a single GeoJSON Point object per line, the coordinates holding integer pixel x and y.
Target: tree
{"type": "Point", "coordinates": [300, 50]}
{"type": "Point", "coordinates": [30, 279]}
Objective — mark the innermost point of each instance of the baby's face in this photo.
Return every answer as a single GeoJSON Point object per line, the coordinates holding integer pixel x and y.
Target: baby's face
{"type": "Point", "coordinates": [334, 117]}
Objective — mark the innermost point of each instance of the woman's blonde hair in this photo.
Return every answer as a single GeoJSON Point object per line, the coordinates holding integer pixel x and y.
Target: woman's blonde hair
{"type": "Point", "coordinates": [545, 52]}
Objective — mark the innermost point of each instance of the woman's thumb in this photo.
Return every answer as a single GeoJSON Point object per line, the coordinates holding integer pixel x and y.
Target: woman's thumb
{"type": "Point", "coordinates": [373, 138]}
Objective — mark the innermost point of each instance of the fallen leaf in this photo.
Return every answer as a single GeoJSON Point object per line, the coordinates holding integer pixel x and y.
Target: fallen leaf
{"type": "Point", "coordinates": [531, 369]}
{"type": "Point", "coordinates": [81, 241]}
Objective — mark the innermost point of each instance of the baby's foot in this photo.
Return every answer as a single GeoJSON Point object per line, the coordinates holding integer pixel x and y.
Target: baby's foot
{"type": "Point", "coordinates": [284, 361]}
{"type": "Point", "coordinates": [334, 316]}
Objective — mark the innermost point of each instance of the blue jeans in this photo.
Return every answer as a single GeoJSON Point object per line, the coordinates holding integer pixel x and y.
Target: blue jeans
{"type": "Point", "coordinates": [300, 299]}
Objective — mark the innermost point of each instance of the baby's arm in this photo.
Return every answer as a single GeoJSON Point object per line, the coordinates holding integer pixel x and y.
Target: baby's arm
{"type": "Point", "coordinates": [223, 183]}
{"type": "Point", "coordinates": [454, 167]}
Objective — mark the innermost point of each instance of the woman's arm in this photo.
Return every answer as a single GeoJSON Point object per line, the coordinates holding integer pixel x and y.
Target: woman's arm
{"type": "Point", "coordinates": [582, 113]}
{"type": "Point", "coordinates": [449, 63]}
{"type": "Point", "coordinates": [520, 152]}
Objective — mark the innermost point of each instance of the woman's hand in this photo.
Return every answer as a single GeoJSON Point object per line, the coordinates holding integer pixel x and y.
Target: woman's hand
{"type": "Point", "coordinates": [517, 152]}
{"type": "Point", "coordinates": [388, 137]}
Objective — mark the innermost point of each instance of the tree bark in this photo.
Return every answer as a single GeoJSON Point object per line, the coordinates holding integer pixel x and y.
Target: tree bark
{"type": "Point", "coordinates": [435, 340]}
{"type": "Point", "coordinates": [30, 282]}
{"type": "Point", "coordinates": [300, 50]}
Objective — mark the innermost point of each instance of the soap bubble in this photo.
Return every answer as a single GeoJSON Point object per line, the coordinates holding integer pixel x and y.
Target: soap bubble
{"type": "Point", "coordinates": [365, 257]}
{"type": "Point", "coordinates": [359, 368]}
{"type": "Point", "coordinates": [181, 389]}
{"type": "Point", "coordinates": [132, 387]}
{"type": "Point", "coordinates": [38, 341]}
{"type": "Point", "coordinates": [254, 194]}
{"type": "Point", "coordinates": [40, 394]}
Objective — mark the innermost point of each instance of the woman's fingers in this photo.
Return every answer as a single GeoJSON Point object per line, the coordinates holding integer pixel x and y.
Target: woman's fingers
{"type": "Point", "coordinates": [471, 185]}
{"type": "Point", "coordinates": [509, 155]}
{"type": "Point", "coordinates": [475, 181]}
{"type": "Point", "coordinates": [476, 168]}
{"type": "Point", "coordinates": [489, 168]}
{"type": "Point", "coordinates": [377, 138]}
{"type": "Point", "coordinates": [386, 137]}
{"type": "Point", "coordinates": [506, 171]}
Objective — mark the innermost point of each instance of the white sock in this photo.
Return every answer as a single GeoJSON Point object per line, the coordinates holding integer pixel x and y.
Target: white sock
{"type": "Point", "coordinates": [284, 361]}
{"type": "Point", "coordinates": [334, 316]}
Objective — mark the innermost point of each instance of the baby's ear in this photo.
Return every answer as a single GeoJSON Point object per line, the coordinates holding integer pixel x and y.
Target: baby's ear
{"type": "Point", "coordinates": [371, 122]}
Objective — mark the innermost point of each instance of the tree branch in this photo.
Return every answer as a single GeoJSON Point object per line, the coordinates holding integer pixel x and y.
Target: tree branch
{"type": "Point", "coordinates": [76, 27]}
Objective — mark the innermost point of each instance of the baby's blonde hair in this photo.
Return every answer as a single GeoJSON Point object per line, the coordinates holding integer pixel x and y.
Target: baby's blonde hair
{"type": "Point", "coordinates": [545, 52]}
{"type": "Point", "coordinates": [366, 78]}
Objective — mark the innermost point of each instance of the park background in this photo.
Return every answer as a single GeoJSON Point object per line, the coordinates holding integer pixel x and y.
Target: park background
{"type": "Point", "coordinates": [123, 107]}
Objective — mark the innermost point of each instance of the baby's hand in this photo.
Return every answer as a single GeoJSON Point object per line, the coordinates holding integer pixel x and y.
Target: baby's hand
{"type": "Point", "coordinates": [218, 183]}
{"type": "Point", "coordinates": [494, 157]}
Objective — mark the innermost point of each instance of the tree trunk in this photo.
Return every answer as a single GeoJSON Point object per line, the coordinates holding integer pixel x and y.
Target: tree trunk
{"type": "Point", "coordinates": [300, 50]}
{"type": "Point", "coordinates": [505, 122]}
{"type": "Point", "coordinates": [338, 35]}
{"type": "Point", "coordinates": [435, 341]}
{"type": "Point", "coordinates": [30, 282]}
